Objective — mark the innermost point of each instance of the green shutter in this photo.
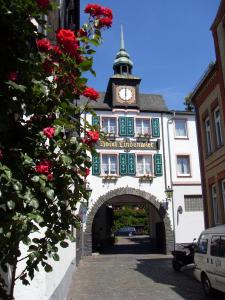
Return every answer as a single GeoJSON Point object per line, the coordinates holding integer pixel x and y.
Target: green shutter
{"type": "Point", "coordinates": [155, 127]}
{"type": "Point", "coordinates": [158, 164]}
{"type": "Point", "coordinates": [95, 120]}
{"type": "Point", "coordinates": [131, 164]}
{"type": "Point", "coordinates": [130, 126]}
{"type": "Point", "coordinates": [123, 163]}
{"type": "Point", "coordinates": [122, 126]}
{"type": "Point", "coordinates": [96, 170]}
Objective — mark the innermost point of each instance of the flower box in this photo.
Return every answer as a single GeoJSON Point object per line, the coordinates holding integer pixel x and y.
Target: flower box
{"type": "Point", "coordinates": [146, 178]}
{"type": "Point", "coordinates": [143, 137]}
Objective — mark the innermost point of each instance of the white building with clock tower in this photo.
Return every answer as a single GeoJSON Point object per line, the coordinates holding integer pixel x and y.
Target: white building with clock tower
{"type": "Point", "coordinates": [149, 150]}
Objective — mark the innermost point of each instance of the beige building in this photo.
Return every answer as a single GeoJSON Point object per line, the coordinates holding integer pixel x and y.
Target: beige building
{"type": "Point", "coordinates": [209, 101]}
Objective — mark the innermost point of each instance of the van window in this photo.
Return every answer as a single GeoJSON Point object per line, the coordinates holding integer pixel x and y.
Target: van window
{"type": "Point", "coordinates": [202, 244]}
{"type": "Point", "coordinates": [222, 246]}
{"type": "Point", "coordinates": [215, 246]}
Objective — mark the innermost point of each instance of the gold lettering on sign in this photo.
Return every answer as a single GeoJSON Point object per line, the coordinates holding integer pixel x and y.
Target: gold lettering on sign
{"type": "Point", "coordinates": [126, 144]}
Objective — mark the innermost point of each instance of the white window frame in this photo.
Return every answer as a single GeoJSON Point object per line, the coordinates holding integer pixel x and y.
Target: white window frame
{"type": "Point", "coordinates": [110, 174]}
{"type": "Point", "coordinates": [218, 127]}
{"type": "Point", "coordinates": [223, 193]}
{"type": "Point", "coordinates": [215, 204]}
{"type": "Point", "coordinates": [151, 167]}
{"type": "Point", "coordinates": [142, 126]}
{"type": "Point", "coordinates": [186, 129]}
{"type": "Point", "coordinates": [108, 125]}
{"type": "Point", "coordinates": [208, 135]}
{"type": "Point", "coordinates": [189, 160]}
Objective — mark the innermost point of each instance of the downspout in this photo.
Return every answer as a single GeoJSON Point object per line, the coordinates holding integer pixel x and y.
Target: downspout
{"type": "Point", "coordinates": [164, 158]}
{"type": "Point", "coordinates": [170, 167]}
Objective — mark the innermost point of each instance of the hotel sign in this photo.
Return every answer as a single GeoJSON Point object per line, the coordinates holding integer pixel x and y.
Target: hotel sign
{"type": "Point", "coordinates": [127, 145]}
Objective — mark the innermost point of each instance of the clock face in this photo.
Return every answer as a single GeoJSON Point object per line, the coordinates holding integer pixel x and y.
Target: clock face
{"type": "Point", "coordinates": [126, 94]}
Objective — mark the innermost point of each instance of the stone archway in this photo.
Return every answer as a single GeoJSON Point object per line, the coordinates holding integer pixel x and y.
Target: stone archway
{"type": "Point", "coordinates": [169, 237]}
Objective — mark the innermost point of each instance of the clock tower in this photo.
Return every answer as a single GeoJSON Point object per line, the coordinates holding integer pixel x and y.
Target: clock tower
{"type": "Point", "coordinates": [123, 86]}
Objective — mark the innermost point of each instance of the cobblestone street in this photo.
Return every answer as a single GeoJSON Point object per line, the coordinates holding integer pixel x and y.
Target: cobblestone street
{"type": "Point", "coordinates": [133, 276]}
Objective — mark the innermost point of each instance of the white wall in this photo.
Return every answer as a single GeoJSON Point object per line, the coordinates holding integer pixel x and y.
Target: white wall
{"type": "Point", "coordinates": [190, 223]}
{"type": "Point", "coordinates": [53, 285]}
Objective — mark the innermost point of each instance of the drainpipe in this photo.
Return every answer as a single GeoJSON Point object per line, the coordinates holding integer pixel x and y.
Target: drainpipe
{"type": "Point", "coordinates": [164, 158]}
{"type": "Point", "coordinates": [170, 120]}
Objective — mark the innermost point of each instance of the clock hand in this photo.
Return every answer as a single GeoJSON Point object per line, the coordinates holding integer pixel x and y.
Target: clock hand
{"type": "Point", "coordinates": [125, 93]}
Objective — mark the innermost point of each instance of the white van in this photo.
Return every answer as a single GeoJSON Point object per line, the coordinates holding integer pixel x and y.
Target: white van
{"type": "Point", "coordinates": [210, 259]}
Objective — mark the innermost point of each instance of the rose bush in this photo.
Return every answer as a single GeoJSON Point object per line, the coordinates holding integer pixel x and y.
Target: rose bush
{"type": "Point", "coordinates": [43, 168]}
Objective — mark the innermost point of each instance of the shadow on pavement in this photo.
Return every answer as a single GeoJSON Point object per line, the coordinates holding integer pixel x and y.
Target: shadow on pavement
{"type": "Point", "coordinates": [130, 245]}
{"type": "Point", "coordinates": [182, 283]}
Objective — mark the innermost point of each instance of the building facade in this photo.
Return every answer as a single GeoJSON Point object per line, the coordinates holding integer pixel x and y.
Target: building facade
{"type": "Point", "coordinates": [209, 100]}
{"type": "Point", "coordinates": [148, 150]}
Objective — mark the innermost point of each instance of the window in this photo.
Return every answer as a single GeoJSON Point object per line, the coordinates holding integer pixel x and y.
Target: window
{"type": "Point", "coordinates": [215, 246]}
{"type": "Point", "coordinates": [183, 165]}
{"type": "Point", "coordinates": [202, 244]}
{"type": "Point", "coordinates": [218, 129]}
{"type": "Point", "coordinates": [109, 125]}
{"type": "Point", "coordinates": [222, 246]}
{"type": "Point", "coordinates": [208, 136]}
{"type": "Point", "coordinates": [180, 128]}
{"type": "Point", "coordinates": [109, 164]}
{"type": "Point", "coordinates": [215, 204]}
{"type": "Point", "coordinates": [193, 203]}
{"type": "Point", "coordinates": [144, 164]}
{"type": "Point", "coordinates": [142, 126]}
{"type": "Point", "coordinates": [223, 193]}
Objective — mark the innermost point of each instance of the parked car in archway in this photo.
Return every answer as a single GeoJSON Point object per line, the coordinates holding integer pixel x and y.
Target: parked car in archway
{"type": "Point", "coordinates": [126, 231]}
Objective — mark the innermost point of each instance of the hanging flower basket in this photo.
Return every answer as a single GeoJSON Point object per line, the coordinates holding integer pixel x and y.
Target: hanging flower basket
{"type": "Point", "coordinates": [146, 178]}
{"type": "Point", "coordinates": [110, 178]}
{"type": "Point", "coordinates": [111, 136]}
{"type": "Point", "coordinates": [143, 137]}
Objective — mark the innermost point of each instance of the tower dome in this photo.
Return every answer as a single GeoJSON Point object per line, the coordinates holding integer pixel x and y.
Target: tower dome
{"type": "Point", "coordinates": [122, 64]}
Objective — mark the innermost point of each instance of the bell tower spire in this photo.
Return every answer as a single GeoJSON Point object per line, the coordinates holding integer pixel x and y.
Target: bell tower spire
{"type": "Point", "coordinates": [122, 64]}
{"type": "Point", "coordinates": [122, 44]}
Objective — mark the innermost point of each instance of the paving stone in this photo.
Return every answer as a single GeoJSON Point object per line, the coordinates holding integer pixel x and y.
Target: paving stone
{"type": "Point", "coordinates": [128, 276]}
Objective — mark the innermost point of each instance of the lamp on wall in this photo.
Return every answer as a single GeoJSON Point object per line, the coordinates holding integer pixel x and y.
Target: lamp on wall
{"type": "Point", "coordinates": [88, 191]}
{"type": "Point", "coordinates": [169, 196]}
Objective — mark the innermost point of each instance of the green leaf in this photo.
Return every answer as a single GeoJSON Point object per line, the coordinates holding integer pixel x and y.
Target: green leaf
{"type": "Point", "coordinates": [66, 160]}
{"type": "Point", "coordinates": [48, 268]}
{"type": "Point", "coordinates": [39, 218]}
{"type": "Point", "coordinates": [16, 86]}
{"type": "Point", "coordinates": [93, 72]}
{"type": "Point", "coordinates": [27, 160]}
{"type": "Point", "coordinates": [64, 244]}
{"type": "Point", "coordinates": [58, 129]}
{"type": "Point", "coordinates": [17, 186]}
{"type": "Point", "coordinates": [91, 51]}
{"type": "Point", "coordinates": [34, 203]}
{"type": "Point", "coordinates": [11, 204]}
{"type": "Point", "coordinates": [35, 178]}
{"type": "Point", "coordinates": [86, 65]}
{"type": "Point", "coordinates": [55, 256]}
{"type": "Point", "coordinates": [50, 194]}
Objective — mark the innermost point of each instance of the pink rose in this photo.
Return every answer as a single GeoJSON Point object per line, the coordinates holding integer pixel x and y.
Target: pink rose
{"type": "Point", "coordinates": [49, 132]}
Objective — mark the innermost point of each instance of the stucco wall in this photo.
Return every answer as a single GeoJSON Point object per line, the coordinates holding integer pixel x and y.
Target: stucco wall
{"type": "Point", "coordinates": [53, 285]}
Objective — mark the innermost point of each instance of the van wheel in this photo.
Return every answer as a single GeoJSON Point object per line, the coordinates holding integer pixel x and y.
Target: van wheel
{"type": "Point", "coordinates": [208, 290]}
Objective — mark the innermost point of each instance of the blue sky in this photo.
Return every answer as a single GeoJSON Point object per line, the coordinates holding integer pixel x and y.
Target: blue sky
{"type": "Point", "coordinates": [169, 42]}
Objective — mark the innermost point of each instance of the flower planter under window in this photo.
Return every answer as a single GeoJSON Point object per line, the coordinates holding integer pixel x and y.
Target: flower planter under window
{"type": "Point", "coordinates": [111, 136]}
{"type": "Point", "coordinates": [110, 178]}
{"type": "Point", "coordinates": [146, 178]}
{"type": "Point", "coordinates": [143, 137]}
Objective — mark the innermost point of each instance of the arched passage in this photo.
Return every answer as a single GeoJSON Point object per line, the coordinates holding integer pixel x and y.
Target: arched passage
{"type": "Point", "coordinates": [169, 239]}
